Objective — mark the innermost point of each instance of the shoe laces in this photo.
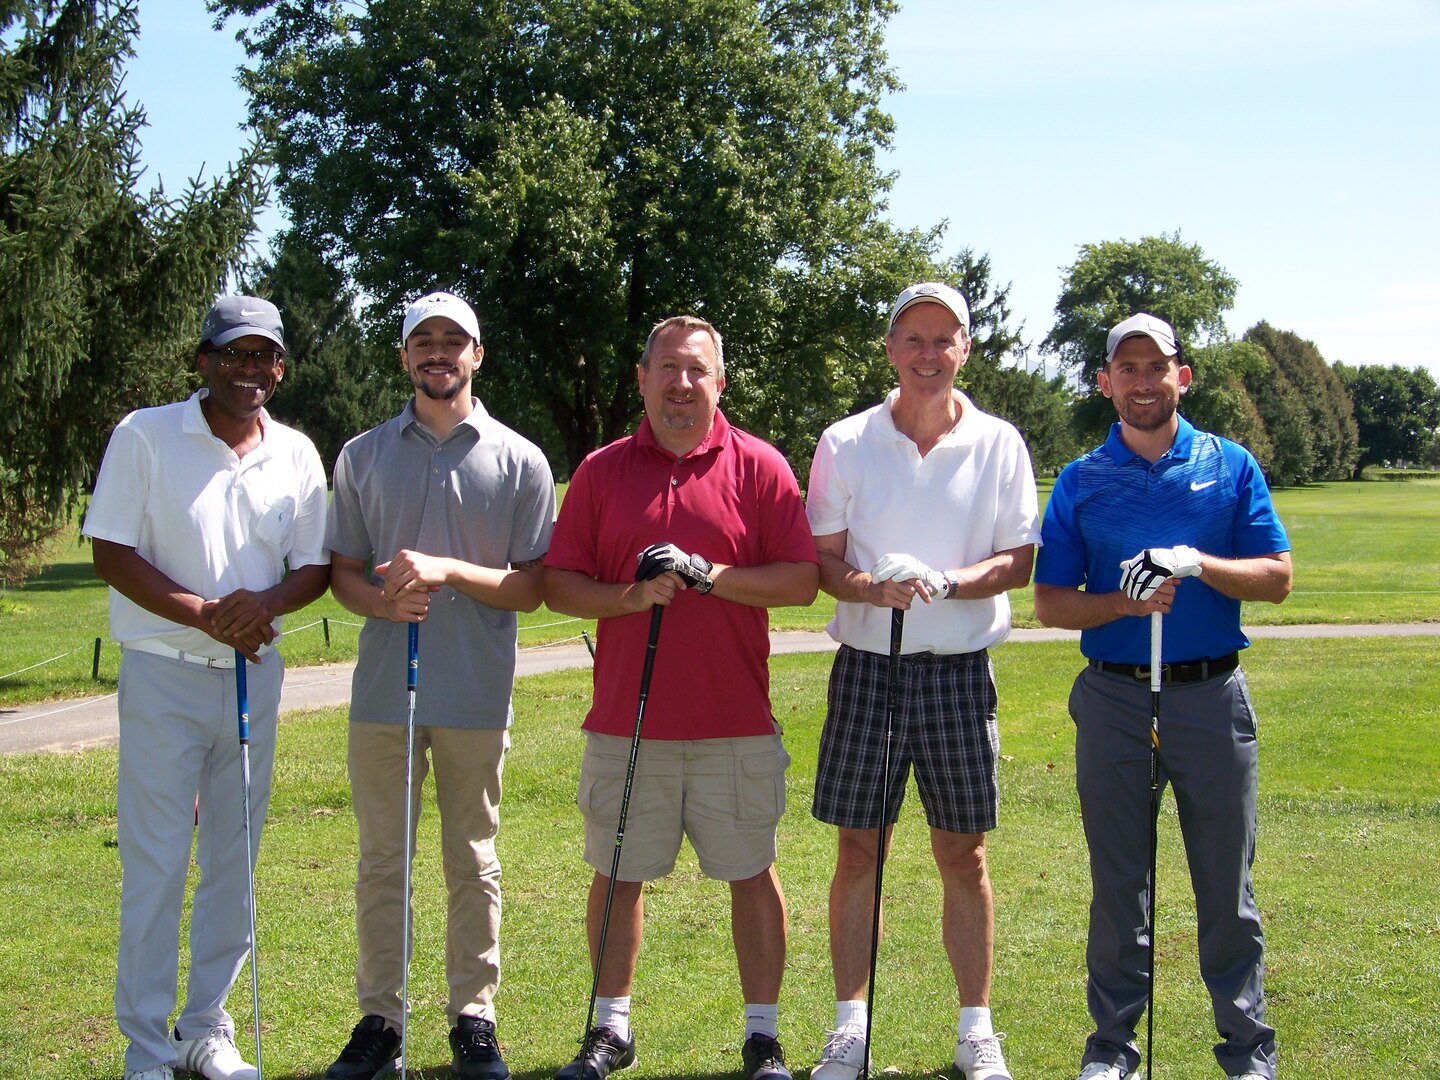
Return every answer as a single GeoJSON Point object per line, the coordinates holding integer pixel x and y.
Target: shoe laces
{"type": "Point", "coordinates": [600, 1040]}
{"type": "Point", "coordinates": [985, 1050]}
{"type": "Point", "coordinates": [767, 1050]}
{"type": "Point", "coordinates": [365, 1040]}
{"type": "Point", "coordinates": [840, 1044]}
{"type": "Point", "coordinates": [476, 1041]}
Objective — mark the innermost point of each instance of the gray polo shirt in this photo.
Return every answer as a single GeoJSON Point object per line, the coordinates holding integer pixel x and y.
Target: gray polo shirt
{"type": "Point", "coordinates": [485, 495]}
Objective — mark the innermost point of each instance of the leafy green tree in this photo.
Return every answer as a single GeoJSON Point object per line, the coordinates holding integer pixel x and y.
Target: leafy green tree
{"type": "Point", "coordinates": [1287, 421]}
{"type": "Point", "coordinates": [1219, 398]}
{"type": "Point", "coordinates": [104, 286]}
{"type": "Point", "coordinates": [1333, 436]}
{"type": "Point", "coordinates": [1397, 413]}
{"type": "Point", "coordinates": [337, 384]}
{"type": "Point", "coordinates": [1113, 280]}
{"type": "Point", "coordinates": [579, 169]}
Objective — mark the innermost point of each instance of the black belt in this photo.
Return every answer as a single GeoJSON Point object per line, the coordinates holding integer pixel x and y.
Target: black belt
{"type": "Point", "coordinates": [1184, 672]}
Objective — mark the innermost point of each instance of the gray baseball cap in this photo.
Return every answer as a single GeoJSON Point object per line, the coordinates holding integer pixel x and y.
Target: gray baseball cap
{"type": "Point", "coordinates": [1142, 325]}
{"type": "Point", "coordinates": [932, 292]}
{"type": "Point", "coordinates": [239, 316]}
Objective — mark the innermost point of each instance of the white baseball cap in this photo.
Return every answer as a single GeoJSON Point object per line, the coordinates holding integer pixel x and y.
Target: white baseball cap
{"type": "Point", "coordinates": [932, 292]}
{"type": "Point", "coordinates": [1142, 325]}
{"type": "Point", "coordinates": [440, 303]}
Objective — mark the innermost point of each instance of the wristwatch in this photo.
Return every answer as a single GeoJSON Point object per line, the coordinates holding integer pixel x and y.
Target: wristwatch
{"type": "Point", "coordinates": [704, 565]}
{"type": "Point", "coordinates": [951, 587]}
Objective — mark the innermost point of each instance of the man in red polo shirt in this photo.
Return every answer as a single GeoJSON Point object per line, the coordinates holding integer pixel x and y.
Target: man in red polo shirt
{"type": "Point", "coordinates": [722, 511]}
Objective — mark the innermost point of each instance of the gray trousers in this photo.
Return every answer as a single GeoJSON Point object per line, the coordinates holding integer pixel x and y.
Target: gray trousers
{"type": "Point", "coordinates": [1208, 757]}
{"type": "Point", "coordinates": [179, 737]}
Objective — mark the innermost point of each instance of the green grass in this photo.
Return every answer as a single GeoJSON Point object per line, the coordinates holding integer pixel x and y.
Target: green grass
{"type": "Point", "coordinates": [1363, 552]}
{"type": "Point", "coordinates": [1350, 824]}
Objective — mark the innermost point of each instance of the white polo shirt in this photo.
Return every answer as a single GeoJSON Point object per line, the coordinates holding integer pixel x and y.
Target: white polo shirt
{"type": "Point", "coordinates": [970, 497]}
{"type": "Point", "coordinates": [209, 520]}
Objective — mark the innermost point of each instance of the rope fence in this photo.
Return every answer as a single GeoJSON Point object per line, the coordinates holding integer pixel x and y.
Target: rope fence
{"type": "Point", "coordinates": [324, 623]}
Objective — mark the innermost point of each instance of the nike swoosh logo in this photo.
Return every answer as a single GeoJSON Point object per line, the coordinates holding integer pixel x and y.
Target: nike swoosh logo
{"type": "Point", "coordinates": [246, 314]}
{"type": "Point", "coordinates": [1196, 486]}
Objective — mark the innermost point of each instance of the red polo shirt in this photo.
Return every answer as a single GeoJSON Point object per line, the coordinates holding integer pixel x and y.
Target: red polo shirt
{"type": "Point", "coordinates": [734, 500]}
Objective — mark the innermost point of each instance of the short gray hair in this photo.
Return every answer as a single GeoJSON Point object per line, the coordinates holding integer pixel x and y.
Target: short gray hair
{"type": "Point", "coordinates": [694, 324]}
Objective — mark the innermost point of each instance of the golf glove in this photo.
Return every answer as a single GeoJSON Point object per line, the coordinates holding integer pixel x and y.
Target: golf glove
{"type": "Point", "coordinates": [909, 568]}
{"type": "Point", "coordinates": [658, 559]}
{"type": "Point", "coordinates": [1142, 574]}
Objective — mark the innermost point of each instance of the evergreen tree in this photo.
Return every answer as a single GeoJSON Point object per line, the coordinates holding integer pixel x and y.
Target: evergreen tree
{"type": "Point", "coordinates": [1334, 439]}
{"type": "Point", "coordinates": [104, 286]}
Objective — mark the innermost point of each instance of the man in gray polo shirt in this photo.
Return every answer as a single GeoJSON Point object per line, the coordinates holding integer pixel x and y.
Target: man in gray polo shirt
{"type": "Point", "coordinates": [440, 516]}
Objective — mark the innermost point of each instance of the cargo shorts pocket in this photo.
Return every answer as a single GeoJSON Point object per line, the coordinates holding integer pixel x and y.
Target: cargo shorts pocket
{"type": "Point", "coordinates": [762, 786]}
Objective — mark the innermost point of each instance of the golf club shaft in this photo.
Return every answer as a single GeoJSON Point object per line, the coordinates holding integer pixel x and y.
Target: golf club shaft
{"type": "Point", "coordinates": [892, 696]}
{"type": "Point", "coordinates": [242, 709]}
{"type": "Point", "coordinates": [1156, 674]}
{"type": "Point", "coordinates": [656, 613]}
{"type": "Point", "coordinates": [412, 678]}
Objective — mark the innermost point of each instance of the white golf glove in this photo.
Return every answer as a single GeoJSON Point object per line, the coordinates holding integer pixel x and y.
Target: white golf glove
{"type": "Point", "coordinates": [1142, 574]}
{"type": "Point", "coordinates": [909, 568]}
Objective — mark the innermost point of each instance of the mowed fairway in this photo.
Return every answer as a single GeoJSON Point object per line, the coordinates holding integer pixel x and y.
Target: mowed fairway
{"type": "Point", "coordinates": [1350, 828]}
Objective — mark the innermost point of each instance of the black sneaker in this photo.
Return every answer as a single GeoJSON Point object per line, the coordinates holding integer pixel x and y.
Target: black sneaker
{"type": "Point", "coordinates": [764, 1060]}
{"type": "Point", "coordinates": [475, 1053]}
{"type": "Point", "coordinates": [373, 1048]}
{"type": "Point", "coordinates": [602, 1053]}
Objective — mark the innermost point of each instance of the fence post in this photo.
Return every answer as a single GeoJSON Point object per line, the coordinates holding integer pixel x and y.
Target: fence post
{"type": "Point", "coordinates": [95, 664]}
{"type": "Point", "coordinates": [325, 622]}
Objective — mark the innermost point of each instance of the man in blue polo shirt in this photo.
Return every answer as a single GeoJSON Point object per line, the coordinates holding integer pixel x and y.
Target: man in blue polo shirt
{"type": "Point", "coordinates": [1170, 502]}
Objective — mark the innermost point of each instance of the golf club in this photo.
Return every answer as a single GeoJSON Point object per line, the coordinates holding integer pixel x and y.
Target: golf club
{"type": "Point", "coordinates": [656, 613]}
{"type": "Point", "coordinates": [1155, 677]}
{"type": "Point", "coordinates": [892, 693]}
{"type": "Point", "coordinates": [412, 674]}
{"type": "Point", "coordinates": [242, 708]}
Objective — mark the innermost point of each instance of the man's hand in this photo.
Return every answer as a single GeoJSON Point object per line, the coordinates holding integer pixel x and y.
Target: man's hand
{"type": "Point", "coordinates": [1142, 574]}
{"type": "Point", "coordinates": [657, 559]}
{"type": "Point", "coordinates": [413, 571]}
{"type": "Point", "coordinates": [909, 568]}
{"type": "Point", "coordinates": [240, 620]}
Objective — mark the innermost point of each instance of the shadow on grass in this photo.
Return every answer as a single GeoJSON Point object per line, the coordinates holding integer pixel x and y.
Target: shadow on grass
{"type": "Point", "coordinates": [64, 577]}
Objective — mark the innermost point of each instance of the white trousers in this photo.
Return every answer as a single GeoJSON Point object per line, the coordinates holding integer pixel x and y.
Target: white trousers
{"type": "Point", "coordinates": [179, 737]}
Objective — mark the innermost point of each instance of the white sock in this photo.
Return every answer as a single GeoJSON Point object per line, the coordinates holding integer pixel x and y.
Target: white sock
{"type": "Point", "coordinates": [975, 1021]}
{"type": "Point", "coordinates": [851, 1014]}
{"type": "Point", "coordinates": [761, 1020]}
{"type": "Point", "coordinates": [614, 1013]}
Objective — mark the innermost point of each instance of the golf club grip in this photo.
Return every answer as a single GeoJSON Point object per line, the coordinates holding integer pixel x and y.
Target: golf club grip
{"type": "Point", "coordinates": [242, 698]}
{"type": "Point", "coordinates": [412, 673]}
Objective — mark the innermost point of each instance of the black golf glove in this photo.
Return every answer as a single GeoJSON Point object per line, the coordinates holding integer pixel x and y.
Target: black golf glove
{"type": "Point", "coordinates": [658, 559]}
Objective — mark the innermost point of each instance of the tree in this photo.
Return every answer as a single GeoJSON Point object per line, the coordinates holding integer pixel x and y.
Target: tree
{"type": "Point", "coordinates": [336, 383]}
{"type": "Point", "coordinates": [1333, 436]}
{"type": "Point", "coordinates": [1287, 421]}
{"type": "Point", "coordinates": [581, 168]}
{"type": "Point", "coordinates": [1111, 281]}
{"type": "Point", "coordinates": [1040, 408]}
{"type": "Point", "coordinates": [104, 287]}
{"type": "Point", "coordinates": [1397, 413]}
{"type": "Point", "coordinates": [1219, 397]}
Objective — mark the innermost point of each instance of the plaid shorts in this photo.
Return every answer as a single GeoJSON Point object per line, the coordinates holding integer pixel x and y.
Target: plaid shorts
{"type": "Point", "coordinates": [944, 725]}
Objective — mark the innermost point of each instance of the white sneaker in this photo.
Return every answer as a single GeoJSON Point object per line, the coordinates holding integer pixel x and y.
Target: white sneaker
{"type": "Point", "coordinates": [159, 1072]}
{"type": "Point", "coordinates": [1249, 1076]}
{"type": "Point", "coordinates": [214, 1056]}
{"type": "Point", "coordinates": [843, 1056]}
{"type": "Point", "coordinates": [981, 1059]}
{"type": "Point", "coordinates": [1098, 1070]}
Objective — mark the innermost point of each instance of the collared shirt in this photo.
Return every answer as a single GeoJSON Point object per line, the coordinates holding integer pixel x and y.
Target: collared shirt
{"type": "Point", "coordinates": [734, 500]}
{"type": "Point", "coordinates": [483, 494]}
{"type": "Point", "coordinates": [1206, 492]}
{"type": "Point", "coordinates": [971, 496]}
{"type": "Point", "coordinates": [209, 520]}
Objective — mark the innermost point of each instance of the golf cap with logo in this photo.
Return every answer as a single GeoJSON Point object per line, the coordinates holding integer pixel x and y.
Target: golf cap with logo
{"type": "Point", "coordinates": [240, 316]}
{"type": "Point", "coordinates": [932, 292]}
{"type": "Point", "coordinates": [1142, 325]}
{"type": "Point", "coordinates": [444, 304]}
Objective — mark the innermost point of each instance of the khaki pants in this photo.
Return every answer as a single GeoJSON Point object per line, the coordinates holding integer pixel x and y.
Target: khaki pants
{"type": "Point", "coordinates": [468, 766]}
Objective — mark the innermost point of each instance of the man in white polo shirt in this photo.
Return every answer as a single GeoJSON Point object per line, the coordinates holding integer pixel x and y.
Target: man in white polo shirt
{"type": "Point", "coordinates": [200, 509]}
{"type": "Point", "coordinates": [923, 497]}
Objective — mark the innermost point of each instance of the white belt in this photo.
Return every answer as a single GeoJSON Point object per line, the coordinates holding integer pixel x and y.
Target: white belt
{"type": "Point", "coordinates": [157, 648]}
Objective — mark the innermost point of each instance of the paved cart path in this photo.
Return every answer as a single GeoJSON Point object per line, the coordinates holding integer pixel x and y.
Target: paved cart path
{"type": "Point", "coordinates": [82, 723]}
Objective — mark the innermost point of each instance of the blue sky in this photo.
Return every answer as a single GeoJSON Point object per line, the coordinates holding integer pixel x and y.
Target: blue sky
{"type": "Point", "coordinates": [1293, 140]}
